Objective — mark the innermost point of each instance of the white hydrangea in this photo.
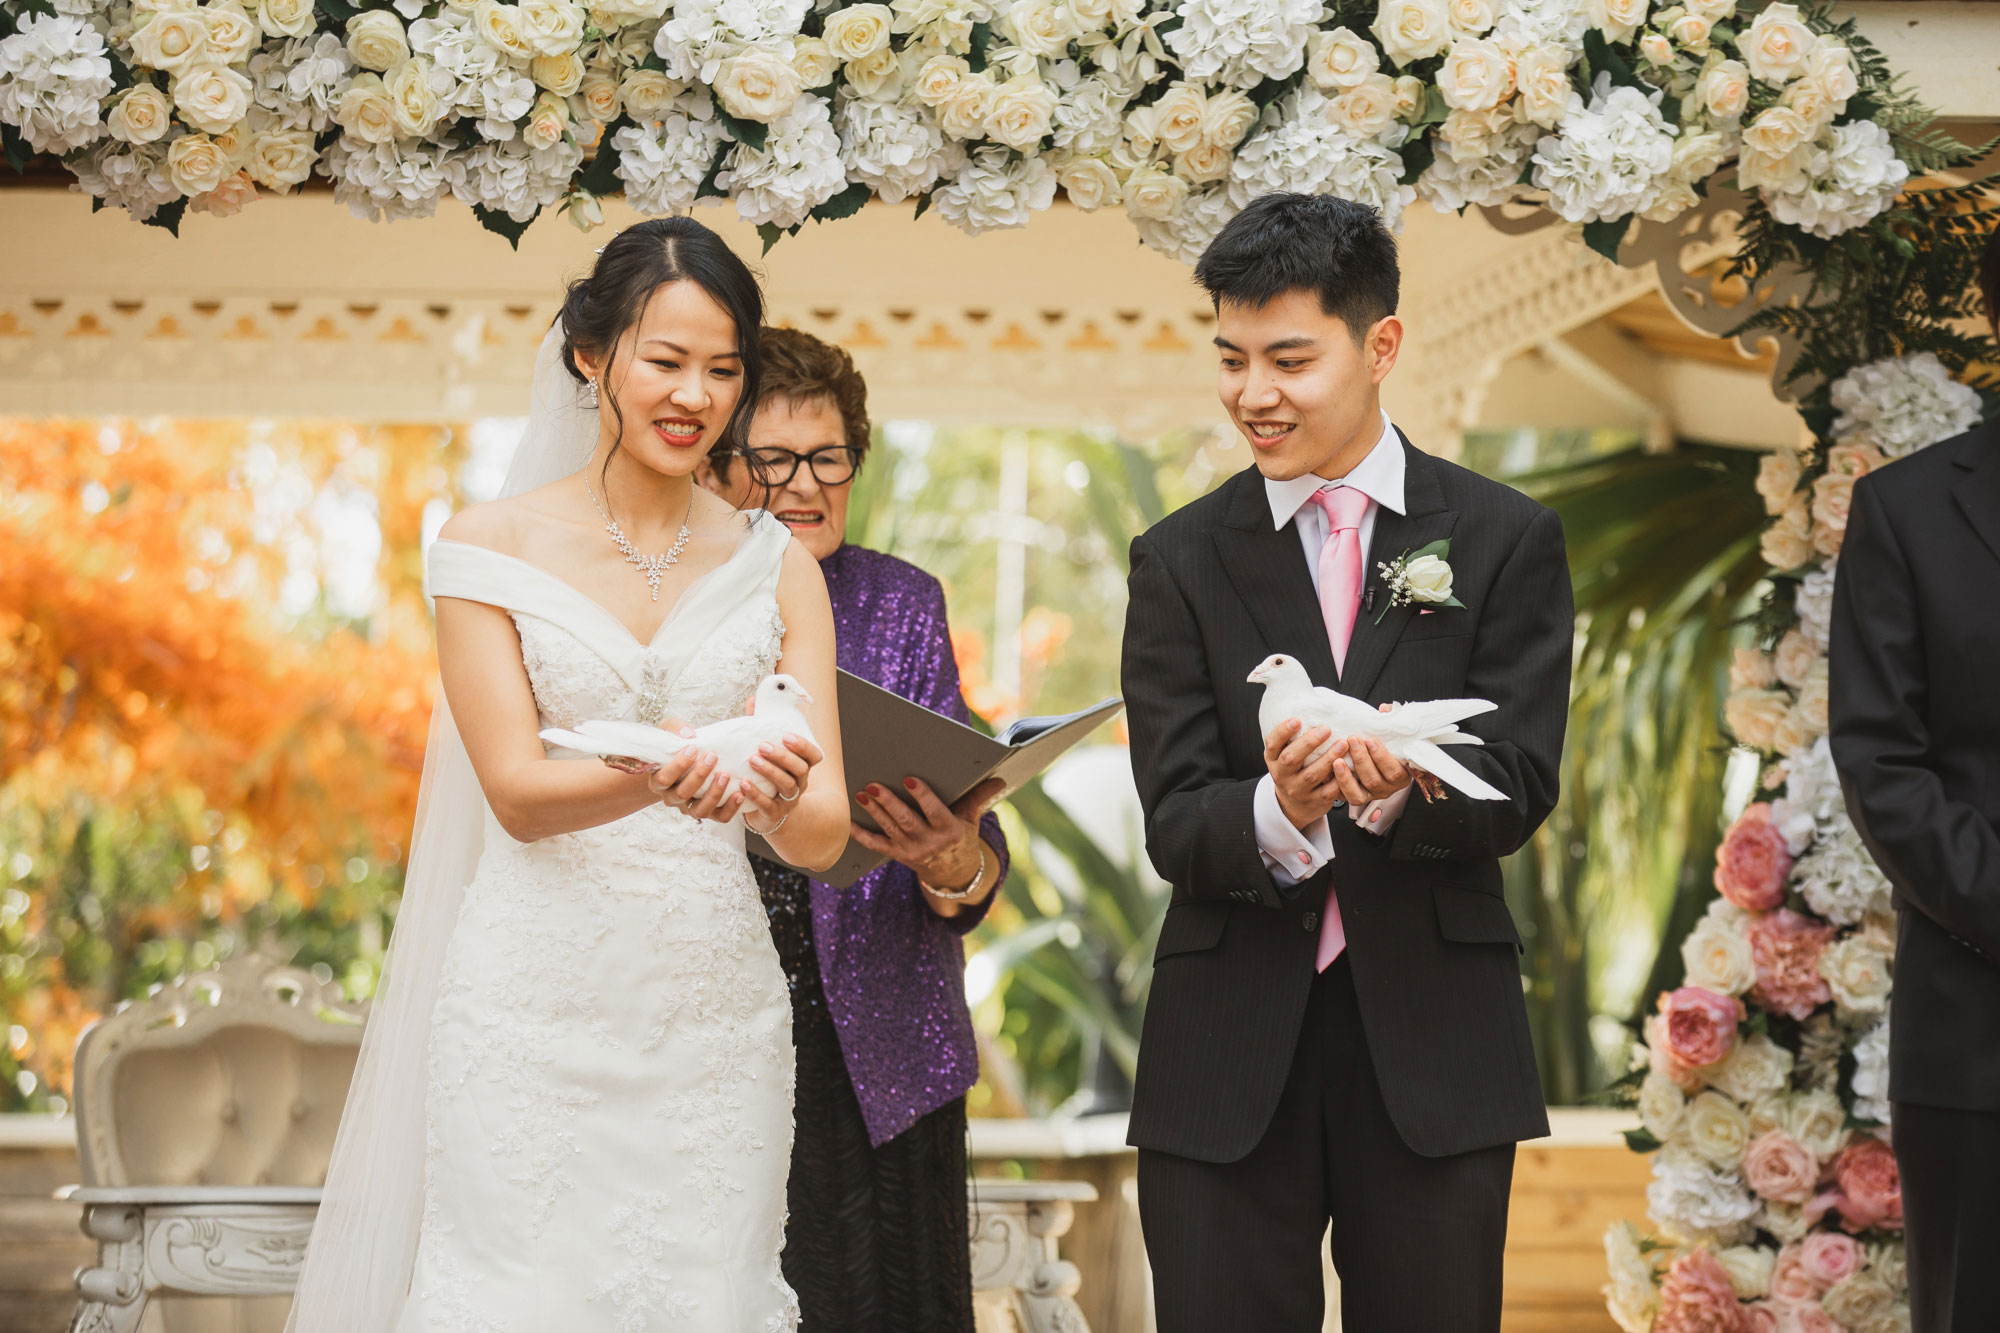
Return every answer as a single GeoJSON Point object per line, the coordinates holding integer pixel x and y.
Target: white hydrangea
{"type": "Point", "coordinates": [703, 33]}
{"type": "Point", "coordinates": [129, 176]}
{"type": "Point", "coordinates": [1304, 153]}
{"type": "Point", "coordinates": [1838, 878]}
{"type": "Point", "coordinates": [1089, 116]}
{"type": "Point", "coordinates": [664, 163]}
{"type": "Point", "coordinates": [53, 76]}
{"type": "Point", "coordinates": [1871, 1072]}
{"type": "Point", "coordinates": [798, 170]}
{"type": "Point", "coordinates": [1612, 158]}
{"type": "Point", "coordinates": [1903, 404]}
{"type": "Point", "coordinates": [1185, 233]}
{"type": "Point", "coordinates": [1242, 42]}
{"type": "Point", "coordinates": [1852, 174]}
{"type": "Point", "coordinates": [1529, 22]}
{"type": "Point", "coordinates": [1812, 801]}
{"type": "Point", "coordinates": [387, 182]}
{"type": "Point", "coordinates": [1814, 603]}
{"type": "Point", "coordinates": [295, 80]}
{"type": "Point", "coordinates": [479, 83]}
{"type": "Point", "coordinates": [1695, 1198]}
{"type": "Point", "coordinates": [499, 102]}
{"type": "Point", "coordinates": [895, 148]}
{"type": "Point", "coordinates": [512, 178]}
{"type": "Point", "coordinates": [995, 190]}
{"type": "Point", "coordinates": [1449, 185]}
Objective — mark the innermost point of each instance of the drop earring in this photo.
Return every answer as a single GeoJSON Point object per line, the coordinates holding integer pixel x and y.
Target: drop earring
{"type": "Point", "coordinates": [591, 391]}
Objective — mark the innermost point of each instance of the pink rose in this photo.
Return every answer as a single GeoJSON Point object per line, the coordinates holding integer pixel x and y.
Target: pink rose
{"type": "Point", "coordinates": [1827, 1257]}
{"type": "Point", "coordinates": [1753, 861]}
{"type": "Point", "coordinates": [1785, 947]}
{"type": "Point", "coordinates": [1807, 1319]}
{"type": "Point", "coordinates": [1696, 1298]}
{"type": "Point", "coordinates": [1699, 1025]}
{"type": "Point", "coordinates": [1871, 1189]}
{"type": "Point", "coordinates": [1661, 1060]}
{"type": "Point", "coordinates": [1777, 1166]}
{"type": "Point", "coordinates": [1790, 1283]}
{"type": "Point", "coordinates": [1762, 1316]}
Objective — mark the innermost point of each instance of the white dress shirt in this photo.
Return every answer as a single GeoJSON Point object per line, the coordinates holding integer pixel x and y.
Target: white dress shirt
{"type": "Point", "coordinates": [1292, 854]}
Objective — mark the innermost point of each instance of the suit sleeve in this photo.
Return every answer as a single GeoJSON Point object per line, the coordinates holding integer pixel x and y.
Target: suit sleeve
{"type": "Point", "coordinates": [1521, 661]}
{"type": "Point", "coordinates": [1200, 820]}
{"type": "Point", "coordinates": [1941, 855]}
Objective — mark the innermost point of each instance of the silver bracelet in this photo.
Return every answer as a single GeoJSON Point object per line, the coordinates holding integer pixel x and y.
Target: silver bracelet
{"type": "Point", "coordinates": [765, 834]}
{"type": "Point", "coordinates": [960, 895]}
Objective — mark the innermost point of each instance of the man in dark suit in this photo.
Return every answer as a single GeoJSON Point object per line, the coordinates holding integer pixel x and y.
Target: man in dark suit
{"type": "Point", "coordinates": [1336, 1033]}
{"type": "Point", "coordinates": [1915, 731]}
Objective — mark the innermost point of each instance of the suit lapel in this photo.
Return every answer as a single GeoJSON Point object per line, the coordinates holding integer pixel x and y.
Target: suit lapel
{"type": "Point", "coordinates": [1426, 521]}
{"type": "Point", "coordinates": [1268, 568]}
{"type": "Point", "coordinates": [1978, 492]}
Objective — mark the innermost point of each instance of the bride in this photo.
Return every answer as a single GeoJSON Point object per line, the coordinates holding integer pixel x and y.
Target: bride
{"type": "Point", "coordinates": [573, 1106]}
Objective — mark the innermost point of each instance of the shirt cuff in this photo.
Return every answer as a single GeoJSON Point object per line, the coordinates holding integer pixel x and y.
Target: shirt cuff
{"type": "Point", "coordinates": [1390, 808]}
{"type": "Point", "coordinates": [1290, 854]}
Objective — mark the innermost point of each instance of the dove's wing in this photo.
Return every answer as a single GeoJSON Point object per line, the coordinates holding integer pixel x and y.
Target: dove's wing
{"type": "Point", "coordinates": [612, 740]}
{"type": "Point", "coordinates": [1441, 765]}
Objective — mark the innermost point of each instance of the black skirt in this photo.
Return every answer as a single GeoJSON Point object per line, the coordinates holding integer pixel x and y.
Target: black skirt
{"type": "Point", "coordinates": [877, 1238]}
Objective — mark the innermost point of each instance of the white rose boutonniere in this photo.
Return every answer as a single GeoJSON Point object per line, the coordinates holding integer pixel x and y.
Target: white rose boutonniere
{"type": "Point", "coordinates": [1422, 576]}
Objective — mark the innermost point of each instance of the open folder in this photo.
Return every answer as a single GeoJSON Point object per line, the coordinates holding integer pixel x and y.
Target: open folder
{"type": "Point", "coordinates": [885, 738]}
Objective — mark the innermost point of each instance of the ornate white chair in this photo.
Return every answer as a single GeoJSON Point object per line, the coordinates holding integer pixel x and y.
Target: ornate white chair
{"type": "Point", "coordinates": [205, 1119]}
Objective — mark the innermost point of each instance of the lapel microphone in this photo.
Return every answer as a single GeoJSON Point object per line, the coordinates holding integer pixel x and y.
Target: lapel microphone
{"type": "Point", "coordinates": [1368, 599]}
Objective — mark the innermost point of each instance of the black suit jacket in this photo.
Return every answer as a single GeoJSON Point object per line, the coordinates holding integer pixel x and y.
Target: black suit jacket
{"type": "Point", "coordinates": [1914, 699]}
{"type": "Point", "coordinates": [1214, 590]}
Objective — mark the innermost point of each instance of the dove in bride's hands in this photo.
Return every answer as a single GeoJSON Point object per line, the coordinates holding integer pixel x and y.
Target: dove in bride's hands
{"type": "Point", "coordinates": [775, 715]}
{"type": "Point", "coordinates": [1411, 732]}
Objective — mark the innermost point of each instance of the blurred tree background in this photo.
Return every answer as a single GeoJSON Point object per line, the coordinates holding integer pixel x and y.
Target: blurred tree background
{"type": "Point", "coordinates": [215, 675]}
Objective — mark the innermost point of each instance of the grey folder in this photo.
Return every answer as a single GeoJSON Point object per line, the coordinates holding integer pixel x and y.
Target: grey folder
{"type": "Point", "coordinates": [885, 738]}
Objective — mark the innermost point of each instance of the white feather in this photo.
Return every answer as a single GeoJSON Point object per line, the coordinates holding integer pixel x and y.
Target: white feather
{"type": "Point", "coordinates": [732, 741]}
{"type": "Point", "coordinates": [1411, 732]}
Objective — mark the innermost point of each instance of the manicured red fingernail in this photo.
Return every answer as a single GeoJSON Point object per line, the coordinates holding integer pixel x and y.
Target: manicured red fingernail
{"type": "Point", "coordinates": [861, 797]}
{"type": "Point", "coordinates": [911, 783]}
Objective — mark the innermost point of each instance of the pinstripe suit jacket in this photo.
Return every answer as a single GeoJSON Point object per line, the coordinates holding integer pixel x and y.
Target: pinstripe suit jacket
{"type": "Point", "coordinates": [1215, 589]}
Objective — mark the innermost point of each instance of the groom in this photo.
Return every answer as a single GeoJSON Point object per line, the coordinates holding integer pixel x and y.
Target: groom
{"type": "Point", "coordinates": [1336, 1033]}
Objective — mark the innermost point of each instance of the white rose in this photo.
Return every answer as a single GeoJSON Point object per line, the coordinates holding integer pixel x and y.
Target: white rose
{"type": "Point", "coordinates": [858, 31]}
{"type": "Point", "coordinates": [561, 75]}
{"type": "Point", "coordinates": [1690, 32]}
{"type": "Point", "coordinates": [1178, 118]}
{"type": "Point", "coordinates": [1777, 132]}
{"type": "Point", "coordinates": [551, 27]}
{"type": "Point", "coordinates": [1474, 134]}
{"type": "Point", "coordinates": [501, 28]}
{"type": "Point", "coordinates": [412, 101]}
{"type": "Point", "coordinates": [546, 122]}
{"type": "Point", "coordinates": [1656, 49]}
{"type": "Point", "coordinates": [1203, 163]}
{"type": "Point", "coordinates": [814, 61]}
{"type": "Point", "coordinates": [1749, 1268]}
{"type": "Point", "coordinates": [286, 18]}
{"type": "Point", "coordinates": [962, 115]}
{"type": "Point", "coordinates": [1717, 1129]}
{"type": "Point", "coordinates": [1154, 194]}
{"type": "Point", "coordinates": [1226, 117]}
{"type": "Point", "coordinates": [234, 143]}
{"type": "Point", "coordinates": [879, 75]}
{"type": "Point", "coordinates": [280, 159]}
{"type": "Point", "coordinates": [757, 86]}
{"type": "Point", "coordinates": [647, 93]}
{"type": "Point", "coordinates": [1410, 91]}
{"type": "Point", "coordinates": [365, 111]}
{"type": "Point", "coordinates": [1428, 579]}
{"type": "Point", "coordinates": [1697, 155]}
{"type": "Point", "coordinates": [1543, 74]}
{"type": "Point", "coordinates": [170, 39]}
{"type": "Point", "coordinates": [1411, 30]}
{"type": "Point", "coordinates": [1630, 1296]}
{"type": "Point", "coordinates": [1471, 18]}
{"type": "Point", "coordinates": [1831, 69]}
{"type": "Point", "coordinates": [1366, 109]}
{"type": "Point", "coordinates": [376, 41]}
{"type": "Point", "coordinates": [1477, 76]}
{"type": "Point", "coordinates": [1810, 103]}
{"type": "Point", "coordinates": [1021, 114]}
{"type": "Point", "coordinates": [1340, 58]}
{"type": "Point", "coordinates": [1044, 27]}
{"type": "Point", "coordinates": [231, 31]}
{"type": "Point", "coordinates": [142, 115]}
{"type": "Point", "coordinates": [1857, 971]}
{"type": "Point", "coordinates": [211, 97]}
{"type": "Point", "coordinates": [1779, 45]}
{"type": "Point", "coordinates": [938, 79]}
{"type": "Point", "coordinates": [1717, 957]}
{"type": "Point", "coordinates": [1725, 89]}
{"type": "Point", "coordinates": [1713, 10]}
{"type": "Point", "coordinates": [1757, 1065]}
{"type": "Point", "coordinates": [1662, 1105]}
{"type": "Point", "coordinates": [1617, 19]}
{"type": "Point", "coordinates": [195, 164]}
{"type": "Point", "coordinates": [1090, 183]}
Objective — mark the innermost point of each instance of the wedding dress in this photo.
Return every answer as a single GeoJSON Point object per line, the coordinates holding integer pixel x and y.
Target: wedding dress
{"type": "Point", "coordinates": [607, 1110]}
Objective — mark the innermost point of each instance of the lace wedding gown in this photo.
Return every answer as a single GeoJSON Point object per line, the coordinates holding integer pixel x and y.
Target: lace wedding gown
{"type": "Point", "coordinates": [609, 1108]}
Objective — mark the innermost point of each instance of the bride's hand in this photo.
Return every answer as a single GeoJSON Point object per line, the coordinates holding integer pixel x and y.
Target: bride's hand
{"type": "Point", "coordinates": [683, 782]}
{"type": "Point", "coordinates": [785, 767]}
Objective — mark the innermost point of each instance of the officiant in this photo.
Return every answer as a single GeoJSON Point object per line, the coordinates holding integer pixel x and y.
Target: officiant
{"type": "Point", "coordinates": [885, 1048]}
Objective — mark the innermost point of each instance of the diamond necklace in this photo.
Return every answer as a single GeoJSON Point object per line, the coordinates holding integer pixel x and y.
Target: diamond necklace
{"type": "Point", "coordinates": [652, 566]}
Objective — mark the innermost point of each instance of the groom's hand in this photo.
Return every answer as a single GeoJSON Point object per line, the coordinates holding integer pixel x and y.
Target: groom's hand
{"type": "Point", "coordinates": [1306, 791]}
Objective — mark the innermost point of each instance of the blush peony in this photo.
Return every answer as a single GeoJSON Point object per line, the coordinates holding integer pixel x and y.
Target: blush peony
{"type": "Point", "coordinates": [1699, 1026]}
{"type": "Point", "coordinates": [1753, 861]}
{"type": "Point", "coordinates": [1870, 1187]}
{"type": "Point", "coordinates": [1696, 1298]}
{"type": "Point", "coordinates": [1786, 948]}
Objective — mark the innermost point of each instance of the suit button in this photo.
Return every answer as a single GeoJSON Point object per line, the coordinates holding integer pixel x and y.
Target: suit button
{"type": "Point", "coordinates": [1310, 921]}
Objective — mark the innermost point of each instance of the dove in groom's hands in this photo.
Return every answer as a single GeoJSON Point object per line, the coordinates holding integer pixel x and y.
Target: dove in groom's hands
{"type": "Point", "coordinates": [735, 742]}
{"type": "Point", "coordinates": [1410, 732]}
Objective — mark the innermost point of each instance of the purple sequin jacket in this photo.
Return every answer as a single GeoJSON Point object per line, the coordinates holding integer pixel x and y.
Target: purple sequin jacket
{"type": "Point", "coordinates": [893, 969]}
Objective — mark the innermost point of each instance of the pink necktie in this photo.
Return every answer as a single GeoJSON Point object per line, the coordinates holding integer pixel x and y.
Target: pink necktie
{"type": "Point", "coordinates": [1339, 600]}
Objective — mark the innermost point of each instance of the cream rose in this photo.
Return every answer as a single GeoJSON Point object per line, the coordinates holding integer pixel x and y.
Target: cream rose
{"type": "Point", "coordinates": [1778, 45]}
{"type": "Point", "coordinates": [195, 164]}
{"type": "Point", "coordinates": [1471, 134]}
{"type": "Point", "coordinates": [1748, 1268]}
{"type": "Point", "coordinates": [211, 97]}
{"type": "Point", "coordinates": [1861, 1300]}
{"type": "Point", "coordinates": [1089, 182]}
{"type": "Point", "coordinates": [226, 200]}
{"type": "Point", "coordinates": [280, 159]}
{"type": "Point", "coordinates": [814, 61]}
{"type": "Point", "coordinates": [1179, 118]}
{"type": "Point", "coordinates": [1787, 543]}
{"type": "Point", "coordinates": [1203, 163]}
{"type": "Point", "coordinates": [962, 115]}
{"type": "Point", "coordinates": [1717, 957]}
{"type": "Point", "coordinates": [1410, 92]}
{"type": "Point", "coordinates": [1542, 71]}
{"type": "Point", "coordinates": [376, 40]}
{"type": "Point", "coordinates": [1755, 715]}
{"type": "Point", "coordinates": [1696, 156]}
{"type": "Point", "coordinates": [1021, 114]}
{"type": "Point", "coordinates": [938, 78]}
{"type": "Point", "coordinates": [879, 75]}
{"type": "Point", "coordinates": [858, 31]}
{"type": "Point", "coordinates": [1717, 1129]}
{"type": "Point", "coordinates": [1617, 19]}
{"type": "Point", "coordinates": [1819, 1122]}
{"type": "Point", "coordinates": [1713, 10]}
{"type": "Point", "coordinates": [1655, 49]}
{"type": "Point", "coordinates": [547, 121]}
{"type": "Point", "coordinates": [286, 18]}
{"type": "Point", "coordinates": [1340, 58]}
{"type": "Point", "coordinates": [170, 39]}
{"type": "Point", "coordinates": [1725, 89]}
{"type": "Point", "coordinates": [561, 75]}
{"type": "Point", "coordinates": [1428, 579]}
{"type": "Point", "coordinates": [1153, 194]}
{"type": "Point", "coordinates": [1831, 70]}
{"type": "Point", "coordinates": [1044, 27]}
{"type": "Point", "coordinates": [757, 86]}
{"type": "Point", "coordinates": [500, 27]}
{"type": "Point", "coordinates": [1226, 117]}
{"type": "Point", "coordinates": [412, 101]}
{"type": "Point", "coordinates": [647, 94]}
{"type": "Point", "coordinates": [365, 111]}
{"type": "Point", "coordinates": [1778, 474]}
{"type": "Point", "coordinates": [1691, 32]}
{"type": "Point", "coordinates": [1471, 18]}
{"type": "Point", "coordinates": [1476, 76]}
{"type": "Point", "coordinates": [231, 31]}
{"type": "Point", "coordinates": [234, 143]}
{"type": "Point", "coordinates": [1777, 132]}
{"type": "Point", "coordinates": [1810, 102]}
{"type": "Point", "coordinates": [601, 99]}
{"type": "Point", "coordinates": [1751, 670]}
{"type": "Point", "coordinates": [551, 27]}
{"type": "Point", "coordinates": [1411, 30]}
{"type": "Point", "coordinates": [1366, 109]}
{"type": "Point", "coordinates": [1857, 971]}
{"type": "Point", "coordinates": [142, 115]}
{"type": "Point", "coordinates": [1662, 1105]}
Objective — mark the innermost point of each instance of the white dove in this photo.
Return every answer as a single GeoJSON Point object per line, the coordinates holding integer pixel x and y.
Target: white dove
{"type": "Point", "coordinates": [1411, 732]}
{"type": "Point", "coordinates": [775, 715]}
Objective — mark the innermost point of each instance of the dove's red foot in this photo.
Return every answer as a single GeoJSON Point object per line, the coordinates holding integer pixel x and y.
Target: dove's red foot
{"type": "Point", "coordinates": [1428, 784]}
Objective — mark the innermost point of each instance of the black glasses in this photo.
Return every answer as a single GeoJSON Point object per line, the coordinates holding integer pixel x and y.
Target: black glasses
{"type": "Point", "coordinates": [832, 466]}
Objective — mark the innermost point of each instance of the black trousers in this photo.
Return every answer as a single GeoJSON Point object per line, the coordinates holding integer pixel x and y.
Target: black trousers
{"type": "Point", "coordinates": [1417, 1241]}
{"type": "Point", "coordinates": [1950, 1165]}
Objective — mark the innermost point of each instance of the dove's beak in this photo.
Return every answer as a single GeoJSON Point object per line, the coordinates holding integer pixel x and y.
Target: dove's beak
{"type": "Point", "coordinates": [804, 698]}
{"type": "Point", "coordinates": [1257, 677]}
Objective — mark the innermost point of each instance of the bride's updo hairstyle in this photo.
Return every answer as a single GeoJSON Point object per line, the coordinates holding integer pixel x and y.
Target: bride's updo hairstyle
{"type": "Point", "coordinates": [597, 311]}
